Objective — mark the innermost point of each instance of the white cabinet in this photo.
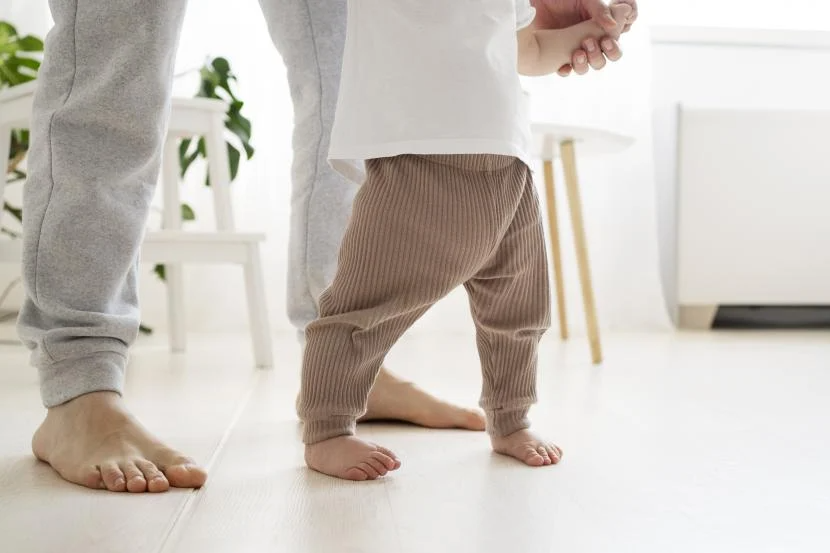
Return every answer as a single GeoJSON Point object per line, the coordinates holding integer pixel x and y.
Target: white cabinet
{"type": "Point", "coordinates": [753, 207]}
{"type": "Point", "coordinates": [743, 165]}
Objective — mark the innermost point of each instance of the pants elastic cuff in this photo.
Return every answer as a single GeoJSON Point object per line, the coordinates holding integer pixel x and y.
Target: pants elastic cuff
{"type": "Point", "coordinates": [66, 380]}
{"type": "Point", "coordinates": [502, 422]}
{"type": "Point", "coordinates": [333, 427]}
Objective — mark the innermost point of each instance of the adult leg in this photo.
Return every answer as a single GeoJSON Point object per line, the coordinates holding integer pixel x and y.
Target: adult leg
{"type": "Point", "coordinates": [510, 303]}
{"type": "Point", "coordinates": [310, 35]}
{"type": "Point", "coordinates": [98, 123]}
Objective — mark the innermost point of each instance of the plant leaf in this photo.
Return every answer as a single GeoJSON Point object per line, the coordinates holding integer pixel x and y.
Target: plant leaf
{"type": "Point", "coordinates": [30, 44]}
{"type": "Point", "coordinates": [183, 146]}
{"type": "Point", "coordinates": [233, 160]}
{"type": "Point", "coordinates": [249, 150]}
{"type": "Point", "coordinates": [15, 212]}
{"type": "Point", "coordinates": [239, 126]}
{"type": "Point", "coordinates": [8, 75]}
{"type": "Point", "coordinates": [187, 213]}
{"type": "Point", "coordinates": [7, 31]}
{"type": "Point", "coordinates": [221, 66]}
{"type": "Point", "coordinates": [160, 272]}
{"type": "Point", "coordinates": [31, 63]}
{"type": "Point", "coordinates": [186, 158]}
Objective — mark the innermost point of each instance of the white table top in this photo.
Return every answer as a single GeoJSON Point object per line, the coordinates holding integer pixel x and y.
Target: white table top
{"type": "Point", "coordinates": [587, 140]}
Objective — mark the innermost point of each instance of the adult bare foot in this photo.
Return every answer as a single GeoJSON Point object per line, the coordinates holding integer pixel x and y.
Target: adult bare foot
{"type": "Point", "coordinates": [527, 448]}
{"type": "Point", "coordinates": [95, 442]}
{"type": "Point", "coordinates": [392, 398]}
{"type": "Point", "coordinates": [350, 458]}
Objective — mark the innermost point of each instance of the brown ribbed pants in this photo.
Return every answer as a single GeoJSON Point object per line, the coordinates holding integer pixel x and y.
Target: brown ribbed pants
{"type": "Point", "coordinates": [421, 226]}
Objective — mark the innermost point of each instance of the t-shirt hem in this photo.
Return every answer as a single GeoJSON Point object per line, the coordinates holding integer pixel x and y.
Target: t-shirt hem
{"type": "Point", "coordinates": [349, 162]}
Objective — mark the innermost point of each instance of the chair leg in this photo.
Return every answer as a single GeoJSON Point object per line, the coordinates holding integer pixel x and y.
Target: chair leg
{"type": "Point", "coordinates": [174, 272]}
{"type": "Point", "coordinates": [176, 315]}
{"type": "Point", "coordinates": [5, 150]}
{"type": "Point", "coordinates": [220, 175]}
{"type": "Point", "coordinates": [697, 317]}
{"type": "Point", "coordinates": [556, 249]}
{"type": "Point", "coordinates": [581, 242]}
{"type": "Point", "coordinates": [258, 310]}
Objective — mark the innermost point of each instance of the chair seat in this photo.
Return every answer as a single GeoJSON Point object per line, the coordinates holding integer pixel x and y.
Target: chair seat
{"type": "Point", "coordinates": [169, 246]}
{"type": "Point", "coordinates": [203, 237]}
{"type": "Point", "coordinates": [16, 104]}
{"type": "Point", "coordinates": [194, 116]}
{"type": "Point", "coordinates": [174, 247]}
{"type": "Point", "coordinates": [590, 141]}
{"type": "Point", "coordinates": [16, 92]}
{"type": "Point", "coordinates": [189, 116]}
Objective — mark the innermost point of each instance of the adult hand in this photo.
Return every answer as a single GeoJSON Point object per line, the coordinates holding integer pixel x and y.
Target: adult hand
{"type": "Point", "coordinates": [558, 14]}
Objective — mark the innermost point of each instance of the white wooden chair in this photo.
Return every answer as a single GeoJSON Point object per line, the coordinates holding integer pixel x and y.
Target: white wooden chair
{"type": "Point", "coordinates": [558, 141]}
{"type": "Point", "coordinates": [172, 246]}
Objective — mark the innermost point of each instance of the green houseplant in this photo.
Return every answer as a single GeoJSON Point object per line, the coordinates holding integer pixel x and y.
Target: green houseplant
{"type": "Point", "coordinates": [20, 59]}
{"type": "Point", "coordinates": [19, 63]}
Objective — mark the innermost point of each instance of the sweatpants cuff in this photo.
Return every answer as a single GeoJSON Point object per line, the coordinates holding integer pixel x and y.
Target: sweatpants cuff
{"type": "Point", "coordinates": [503, 422]}
{"type": "Point", "coordinates": [332, 427]}
{"type": "Point", "coordinates": [65, 380]}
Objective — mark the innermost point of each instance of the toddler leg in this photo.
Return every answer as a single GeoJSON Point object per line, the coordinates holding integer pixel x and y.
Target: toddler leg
{"type": "Point", "coordinates": [510, 302]}
{"type": "Point", "coordinates": [420, 227]}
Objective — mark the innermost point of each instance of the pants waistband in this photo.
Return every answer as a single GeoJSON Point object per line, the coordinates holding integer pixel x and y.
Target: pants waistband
{"type": "Point", "coordinates": [472, 162]}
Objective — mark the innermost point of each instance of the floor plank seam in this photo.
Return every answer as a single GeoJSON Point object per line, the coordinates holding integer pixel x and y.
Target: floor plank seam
{"type": "Point", "coordinates": [168, 536]}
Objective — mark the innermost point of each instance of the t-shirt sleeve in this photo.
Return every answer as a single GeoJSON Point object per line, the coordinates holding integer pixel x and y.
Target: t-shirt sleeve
{"type": "Point", "coordinates": [525, 14]}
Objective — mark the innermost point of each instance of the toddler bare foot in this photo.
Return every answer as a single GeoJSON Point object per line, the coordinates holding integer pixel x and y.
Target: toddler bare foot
{"type": "Point", "coordinates": [350, 458]}
{"type": "Point", "coordinates": [528, 448]}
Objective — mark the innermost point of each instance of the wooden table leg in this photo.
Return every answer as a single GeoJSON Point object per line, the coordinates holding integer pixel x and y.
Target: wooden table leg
{"type": "Point", "coordinates": [556, 249]}
{"type": "Point", "coordinates": [575, 202]}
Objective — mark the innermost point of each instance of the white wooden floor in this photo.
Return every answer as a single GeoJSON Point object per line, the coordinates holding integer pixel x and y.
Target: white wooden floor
{"type": "Point", "coordinates": [679, 443]}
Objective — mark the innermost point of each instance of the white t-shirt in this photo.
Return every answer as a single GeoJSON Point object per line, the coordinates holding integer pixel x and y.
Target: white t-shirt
{"type": "Point", "coordinates": [430, 77]}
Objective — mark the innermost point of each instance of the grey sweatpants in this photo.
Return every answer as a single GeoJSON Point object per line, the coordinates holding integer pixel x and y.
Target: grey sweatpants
{"type": "Point", "coordinates": [98, 125]}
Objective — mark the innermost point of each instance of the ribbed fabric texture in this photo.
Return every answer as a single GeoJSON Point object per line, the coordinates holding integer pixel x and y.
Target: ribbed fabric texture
{"type": "Point", "coordinates": [421, 226]}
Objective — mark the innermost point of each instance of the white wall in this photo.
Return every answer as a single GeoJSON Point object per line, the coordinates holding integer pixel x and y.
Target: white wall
{"type": "Point", "coordinates": [29, 16]}
{"type": "Point", "coordinates": [755, 71]}
{"type": "Point", "coordinates": [772, 14]}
